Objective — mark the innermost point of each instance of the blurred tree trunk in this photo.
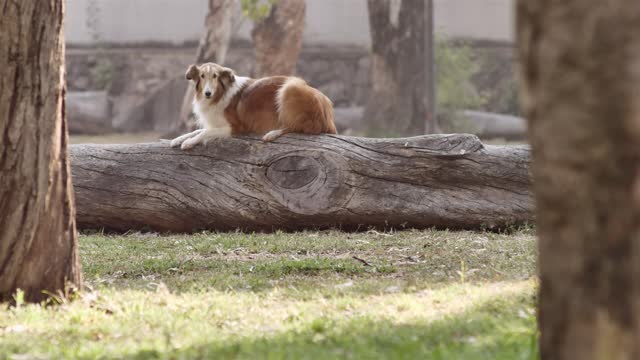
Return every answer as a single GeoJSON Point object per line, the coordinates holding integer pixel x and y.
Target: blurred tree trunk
{"type": "Point", "coordinates": [581, 78]}
{"type": "Point", "coordinates": [38, 243]}
{"type": "Point", "coordinates": [398, 104]}
{"type": "Point", "coordinates": [277, 39]}
{"type": "Point", "coordinates": [213, 47]}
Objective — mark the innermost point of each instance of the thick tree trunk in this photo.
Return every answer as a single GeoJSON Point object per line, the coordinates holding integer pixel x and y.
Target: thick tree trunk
{"type": "Point", "coordinates": [277, 39]}
{"type": "Point", "coordinates": [213, 47]}
{"type": "Point", "coordinates": [38, 245]}
{"type": "Point", "coordinates": [580, 62]}
{"type": "Point", "coordinates": [399, 68]}
{"type": "Point", "coordinates": [303, 182]}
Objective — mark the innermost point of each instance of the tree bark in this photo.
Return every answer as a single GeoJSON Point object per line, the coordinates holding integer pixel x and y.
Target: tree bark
{"type": "Point", "coordinates": [431, 122]}
{"type": "Point", "coordinates": [277, 39]}
{"type": "Point", "coordinates": [213, 47]}
{"type": "Point", "coordinates": [399, 69]}
{"type": "Point", "coordinates": [580, 77]}
{"type": "Point", "coordinates": [303, 182]}
{"type": "Point", "coordinates": [38, 245]}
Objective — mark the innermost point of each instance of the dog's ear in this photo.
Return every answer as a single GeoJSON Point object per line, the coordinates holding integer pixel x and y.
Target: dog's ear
{"type": "Point", "coordinates": [192, 73]}
{"type": "Point", "coordinates": [227, 77]}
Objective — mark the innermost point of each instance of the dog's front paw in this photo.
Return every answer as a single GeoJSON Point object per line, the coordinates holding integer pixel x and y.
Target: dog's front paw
{"type": "Point", "coordinates": [176, 142]}
{"type": "Point", "coordinates": [188, 144]}
{"type": "Point", "coordinates": [272, 135]}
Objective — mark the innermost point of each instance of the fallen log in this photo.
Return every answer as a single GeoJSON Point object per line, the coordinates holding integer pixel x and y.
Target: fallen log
{"type": "Point", "coordinates": [490, 125]}
{"type": "Point", "coordinates": [303, 182]}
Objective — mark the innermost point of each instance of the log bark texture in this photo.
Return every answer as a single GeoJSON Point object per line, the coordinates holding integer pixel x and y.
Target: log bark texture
{"type": "Point", "coordinates": [302, 182]}
{"type": "Point", "coordinates": [580, 72]}
{"type": "Point", "coordinates": [38, 245]}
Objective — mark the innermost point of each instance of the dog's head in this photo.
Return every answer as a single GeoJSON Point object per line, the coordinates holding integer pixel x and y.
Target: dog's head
{"type": "Point", "coordinates": [211, 81]}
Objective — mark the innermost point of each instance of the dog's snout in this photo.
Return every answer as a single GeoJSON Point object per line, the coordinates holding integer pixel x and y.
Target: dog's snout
{"type": "Point", "coordinates": [207, 93]}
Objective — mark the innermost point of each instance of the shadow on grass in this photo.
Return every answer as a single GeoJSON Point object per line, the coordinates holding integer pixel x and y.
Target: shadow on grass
{"type": "Point", "coordinates": [500, 328]}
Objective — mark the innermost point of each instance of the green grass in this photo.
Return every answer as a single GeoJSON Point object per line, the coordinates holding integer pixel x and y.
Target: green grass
{"type": "Point", "coordinates": [311, 295]}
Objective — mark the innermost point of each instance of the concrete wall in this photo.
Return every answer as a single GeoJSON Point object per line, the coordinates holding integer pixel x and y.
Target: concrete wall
{"type": "Point", "coordinates": [341, 22]}
{"type": "Point", "coordinates": [131, 21]}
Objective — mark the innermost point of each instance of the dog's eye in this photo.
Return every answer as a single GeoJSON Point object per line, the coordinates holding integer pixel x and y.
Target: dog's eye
{"type": "Point", "coordinates": [202, 76]}
{"type": "Point", "coordinates": [215, 76]}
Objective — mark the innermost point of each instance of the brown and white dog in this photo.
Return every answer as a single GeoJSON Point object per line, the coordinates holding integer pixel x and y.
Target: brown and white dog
{"type": "Point", "coordinates": [229, 105]}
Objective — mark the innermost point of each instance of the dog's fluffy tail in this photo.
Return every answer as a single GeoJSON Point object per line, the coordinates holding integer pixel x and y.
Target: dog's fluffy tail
{"type": "Point", "coordinates": [303, 109]}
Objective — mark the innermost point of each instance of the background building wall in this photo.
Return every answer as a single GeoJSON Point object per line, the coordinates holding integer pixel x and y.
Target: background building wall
{"type": "Point", "coordinates": [339, 22]}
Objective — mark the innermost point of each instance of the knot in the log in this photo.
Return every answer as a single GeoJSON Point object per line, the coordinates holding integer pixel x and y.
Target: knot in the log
{"type": "Point", "coordinates": [308, 182]}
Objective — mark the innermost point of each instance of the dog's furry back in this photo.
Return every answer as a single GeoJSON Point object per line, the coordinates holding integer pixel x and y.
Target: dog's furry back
{"type": "Point", "coordinates": [303, 109]}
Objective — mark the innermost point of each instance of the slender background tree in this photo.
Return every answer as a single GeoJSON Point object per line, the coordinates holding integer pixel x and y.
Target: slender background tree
{"type": "Point", "coordinates": [38, 242]}
{"type": "Point", "coordinates": [213, 46]}
{"type": "Point", "coordinates": [400, 36]}
{"type": "Point", "coordinates": [580, 82]}
{"type": "Point", "coordinates": [277, 38]}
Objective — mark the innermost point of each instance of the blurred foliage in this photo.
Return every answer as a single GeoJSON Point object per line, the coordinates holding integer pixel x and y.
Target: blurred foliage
{"type": "Point", "coordinates": [256, 10]}
{"type": "Point", "coordinates": [506, 97]}
{"type": "Point", "coordinates": [93, 20]}
{"type": "Point", "coordinates": [103, 73]}
{"type": "Point", "coordinates": [455, 68]}
{"type": "Point", "coordinates": [497, 79]}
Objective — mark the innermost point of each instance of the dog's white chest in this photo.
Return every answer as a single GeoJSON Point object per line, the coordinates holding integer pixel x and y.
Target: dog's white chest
{"type": "Point", "coordinates": [209, 116]}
